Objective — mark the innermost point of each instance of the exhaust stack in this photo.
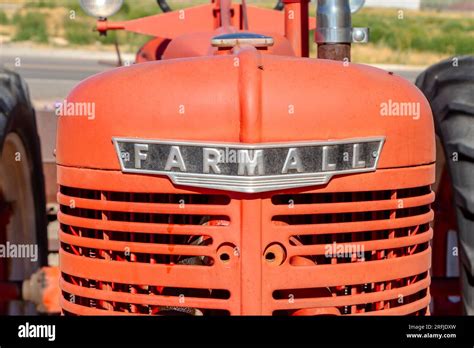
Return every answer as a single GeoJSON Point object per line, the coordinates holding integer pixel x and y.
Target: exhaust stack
{"type": "Point", "coordinates": [334, 33]}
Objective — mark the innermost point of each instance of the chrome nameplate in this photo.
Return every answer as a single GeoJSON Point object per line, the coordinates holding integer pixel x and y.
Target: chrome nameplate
{"type": "Point", "coordinates": [248, 167]}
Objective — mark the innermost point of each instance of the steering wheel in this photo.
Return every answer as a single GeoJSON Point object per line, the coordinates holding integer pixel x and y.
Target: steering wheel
{"type": "Point", "coordinates": [163, 4]}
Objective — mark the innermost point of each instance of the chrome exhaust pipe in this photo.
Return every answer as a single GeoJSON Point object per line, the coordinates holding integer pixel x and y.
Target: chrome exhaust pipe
{"type": "Point", "coordinates": [334, 33]}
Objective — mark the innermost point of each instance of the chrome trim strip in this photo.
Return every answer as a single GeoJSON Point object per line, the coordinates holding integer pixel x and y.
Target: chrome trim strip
{"type": "Point", "coordinates": [249, 184]}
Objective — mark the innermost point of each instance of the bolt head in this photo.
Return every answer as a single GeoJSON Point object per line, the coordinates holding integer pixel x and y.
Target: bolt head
{"type": "Point", "coordinates": [359, 35]}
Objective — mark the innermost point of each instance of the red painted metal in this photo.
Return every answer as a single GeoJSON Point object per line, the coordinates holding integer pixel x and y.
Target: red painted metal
{"type": "Point", "coordinates": [207, 18]}
{"type": "Point", "coordinates": [297, 26]}
{"type": "Point", "coordinates": [251, 281]}
{"type": "Point", "coordinates": [167, 25]}
{"type": "Point", "coordinates": [152, 50]}
{"type": "Point", "coordinates": [244, 87]}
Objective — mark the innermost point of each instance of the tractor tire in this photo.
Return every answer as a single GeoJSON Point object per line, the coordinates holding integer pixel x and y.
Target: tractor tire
{"type": "Point", "coordinates": [22, 190]}
{"type": "Point", "coordinates": [449, 87]}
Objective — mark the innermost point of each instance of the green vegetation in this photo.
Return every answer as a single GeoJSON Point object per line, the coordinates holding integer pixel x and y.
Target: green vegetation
{"type": "Point", "coordinates": [440, 4]}
{"type": "Point", "coordinates": [31, 26]}
{"type": "Point", "coordinates": [78, 32]}
{"type": "Point", "coordinates": [418, 31]}
{"type": "Point", "coordinates": [3, 18]}
{"type": "Point", "coordinates": [41, 4]}
{"type": "Point", "coordinates": [431, 33]}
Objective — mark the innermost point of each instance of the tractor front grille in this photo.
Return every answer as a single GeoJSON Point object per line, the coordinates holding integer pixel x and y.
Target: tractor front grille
{"type": "Point", "coordinates": [151, 229]}
{"type": "Point", "coordinates": [319, 252]}
{"type": "Point", "coordinates": [345, 233]}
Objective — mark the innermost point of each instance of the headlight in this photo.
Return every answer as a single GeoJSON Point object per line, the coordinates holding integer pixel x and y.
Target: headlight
{"type": "Point", "coordinates": [101, 8]}
{"type": "Point", "coordinates": [356, 5]}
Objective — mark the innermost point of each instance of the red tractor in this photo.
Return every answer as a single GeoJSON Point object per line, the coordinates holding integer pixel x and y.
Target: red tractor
{"type": "Point", "coordinates": [227, 173]}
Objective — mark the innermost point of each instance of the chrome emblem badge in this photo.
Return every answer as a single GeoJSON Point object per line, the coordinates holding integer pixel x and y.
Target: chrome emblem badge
{"type": "Point", "coordinates": [248, 168]}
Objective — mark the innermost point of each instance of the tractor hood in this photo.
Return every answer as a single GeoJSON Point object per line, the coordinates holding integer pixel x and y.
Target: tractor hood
{"type": "Point", "coordinates": [246, 97]}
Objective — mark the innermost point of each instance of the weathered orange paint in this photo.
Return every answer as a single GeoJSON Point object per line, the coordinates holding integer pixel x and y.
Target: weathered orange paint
{"type": "Point", "coordinates": [297, 27]}
{"type": "Point", "coordinates": [317, 91]}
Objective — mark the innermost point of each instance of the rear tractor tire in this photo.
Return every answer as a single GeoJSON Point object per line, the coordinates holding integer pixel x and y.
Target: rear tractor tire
{"type": "Point", "coordinates": [22, 196]}
{"type": "Point", "coordinates": [449, 87]}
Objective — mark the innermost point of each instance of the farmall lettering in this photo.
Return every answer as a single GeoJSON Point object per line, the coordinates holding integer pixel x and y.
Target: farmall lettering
{"type": "Point", "coordinates": [250, 162]}
{"type": "Point", "coordinates": [248, 168]}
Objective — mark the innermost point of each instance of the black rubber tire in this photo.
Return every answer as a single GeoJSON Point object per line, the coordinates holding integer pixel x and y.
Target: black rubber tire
{"type": "Point", "coordinates": [450, 91]}
{"type": "Point", "coordinates": [163, 4]}
{"type": "Point", "coordinates": [17, 115]}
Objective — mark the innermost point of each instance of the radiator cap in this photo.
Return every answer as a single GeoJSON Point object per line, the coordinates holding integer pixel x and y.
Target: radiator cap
{"type": "Point", "coordinates": [243, 38]}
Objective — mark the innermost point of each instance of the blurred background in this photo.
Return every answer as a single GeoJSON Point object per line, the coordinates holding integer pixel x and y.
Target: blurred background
{"type": "Point", "coordinates": [411, 33]}
{"type": "Point", "coordinates": [426, 31]}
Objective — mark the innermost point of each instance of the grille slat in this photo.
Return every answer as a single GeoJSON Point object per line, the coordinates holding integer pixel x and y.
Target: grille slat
{"type": "Point", "coordinates": [142, 227]}
{"type": "Point", "coordinates": [382, 238]}
{"type": "Point", "coordinates": [141, 207]}
{"type": "Point", "coordinates": [352, 273]}
{"type": "Point", "coordinates": [136, 247]}
{"type": "Point", "coordinates": [355, 207]}
{"type": "Point", "coordinates": [392, 243]}
{"type": "Point", "coordinates": [347, 227]}
{"type": "Point", "coordinates": [340, 301]}
{"type": "Point", "coordinates": [172, 265]}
